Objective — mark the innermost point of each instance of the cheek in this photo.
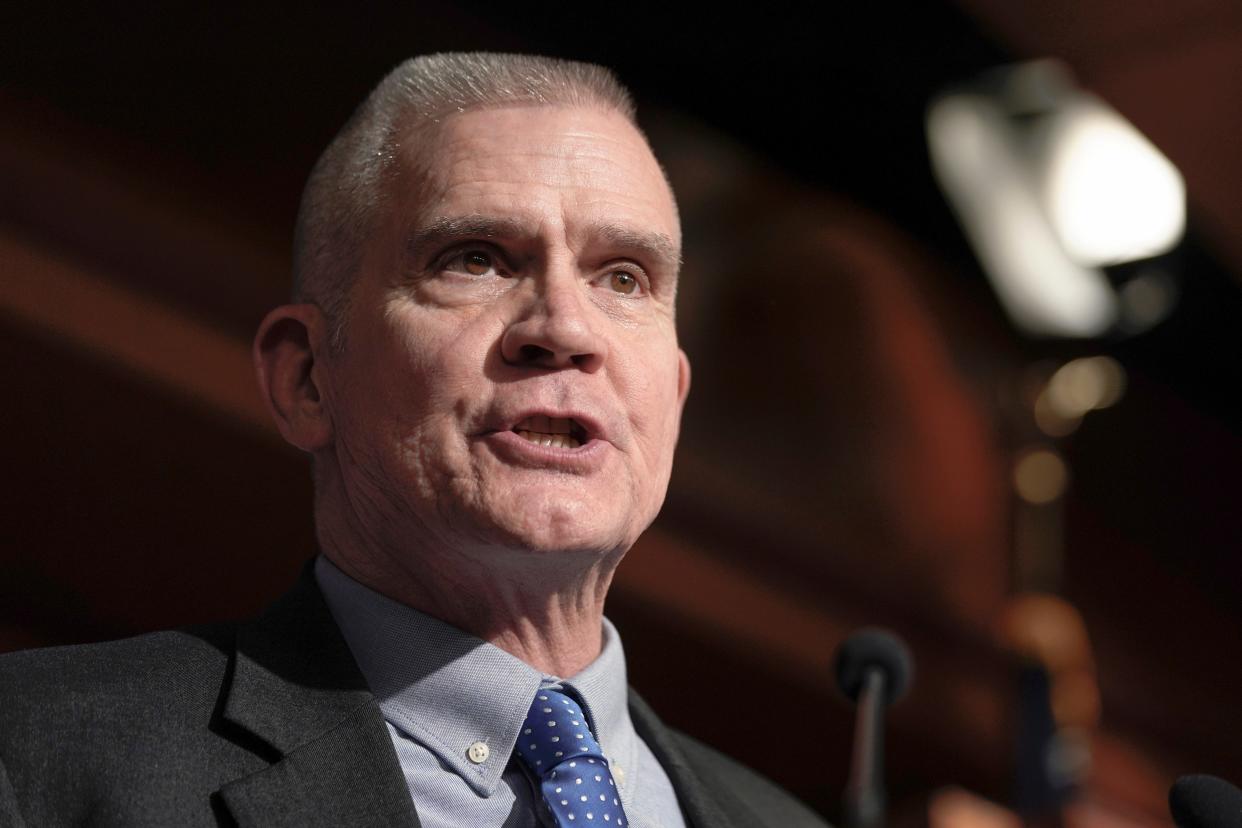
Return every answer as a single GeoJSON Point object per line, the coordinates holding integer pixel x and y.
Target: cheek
{"type": "Point", "coordinates": [385, 408]}
{"type": "Point", "coordinates": [433, 366]}
{"type": "Point", "coordinates": [433, 399]}
{"type": "Point", "coordinates": [653, 410]}
{"type": "Point", "coordinates": [448, 352]}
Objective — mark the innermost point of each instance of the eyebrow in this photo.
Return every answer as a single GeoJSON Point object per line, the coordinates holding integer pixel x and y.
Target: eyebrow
{"type": "Point", "coordinates": [448, 230]}
{"type": "Point", "coordinates": [656, 245]}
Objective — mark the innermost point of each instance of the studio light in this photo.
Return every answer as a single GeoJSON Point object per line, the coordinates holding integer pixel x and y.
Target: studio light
{"type": "Point", "coordinates": [1051, 185]}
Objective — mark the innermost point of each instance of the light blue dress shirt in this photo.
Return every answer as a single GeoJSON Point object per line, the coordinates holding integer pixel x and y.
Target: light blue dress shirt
{"type": "Point", "coordinates": [454, 705]}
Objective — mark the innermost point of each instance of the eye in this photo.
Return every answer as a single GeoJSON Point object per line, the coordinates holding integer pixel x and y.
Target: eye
{"type": "Point", "coordinates": [474, 262]}
{"type": "Point", "coordinates": [622, 281]}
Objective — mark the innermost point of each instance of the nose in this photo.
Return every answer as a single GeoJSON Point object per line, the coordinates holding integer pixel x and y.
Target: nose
{"type": "Point", "coordinates": [558, 327]}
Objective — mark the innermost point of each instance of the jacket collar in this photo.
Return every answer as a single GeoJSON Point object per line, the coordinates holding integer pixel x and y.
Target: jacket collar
{"type": "Point", "coordinates": [705, 798]}
{"type": "Point", "coordinates": [294, 686]}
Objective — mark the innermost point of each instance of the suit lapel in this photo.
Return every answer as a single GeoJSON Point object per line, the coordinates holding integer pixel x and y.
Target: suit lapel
{"type": "Point", "coordinates": [705, 803]}
{"type": "Point", "coordinates": [295, 686]}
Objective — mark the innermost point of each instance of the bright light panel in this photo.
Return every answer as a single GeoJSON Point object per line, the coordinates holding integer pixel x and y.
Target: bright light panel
{"type": "Point", "coordinates": [1109, 194]}
{"type": "Point", "coordinates": [1044, 291]}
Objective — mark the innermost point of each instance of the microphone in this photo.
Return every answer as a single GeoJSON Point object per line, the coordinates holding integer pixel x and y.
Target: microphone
{"type": "Point", "coordinates": [1202, 801]}
{"type": "Point", "coordinates": [873, 670]}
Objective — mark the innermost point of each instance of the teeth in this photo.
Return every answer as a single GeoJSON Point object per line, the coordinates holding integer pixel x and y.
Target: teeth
{"type": "Point", "coordinates": [545, 424]}
{"type": "Point", "coordinates": [553, 440]}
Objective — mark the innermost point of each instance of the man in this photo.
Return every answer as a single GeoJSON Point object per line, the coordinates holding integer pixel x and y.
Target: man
{"type": "Point", "coordinates": [482, 361]}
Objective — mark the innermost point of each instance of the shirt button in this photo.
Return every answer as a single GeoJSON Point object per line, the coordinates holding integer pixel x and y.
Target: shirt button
{"type": "Point", "coordinates": [618, 773]}
{"type": "Point", "coordinates": [478, 753]}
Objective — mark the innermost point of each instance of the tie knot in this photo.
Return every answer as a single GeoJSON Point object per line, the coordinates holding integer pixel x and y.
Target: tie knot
{"type": "Point", "coordinates": [555, 731]}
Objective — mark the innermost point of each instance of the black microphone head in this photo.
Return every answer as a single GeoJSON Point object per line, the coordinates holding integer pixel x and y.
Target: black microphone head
{"type": "Point", "coordinates": [1202, 801]}
{"type": "Point", "coordinates": [873, 647]}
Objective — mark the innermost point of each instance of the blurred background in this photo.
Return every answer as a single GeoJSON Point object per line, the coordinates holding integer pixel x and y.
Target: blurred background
{"type": "Point", "coordinates": [962, 298]}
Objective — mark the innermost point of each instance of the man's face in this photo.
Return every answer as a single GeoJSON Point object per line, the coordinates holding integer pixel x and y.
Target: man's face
{"type": "Point", "coordinates": [511, 376]}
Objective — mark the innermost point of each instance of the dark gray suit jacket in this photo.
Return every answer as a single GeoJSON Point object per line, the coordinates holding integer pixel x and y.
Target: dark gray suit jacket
{"type": "Point", "coordinates": [263, 723]}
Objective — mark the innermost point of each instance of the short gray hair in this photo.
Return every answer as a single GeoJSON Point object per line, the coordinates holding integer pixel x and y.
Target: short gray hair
{"type": "Point", "coordinates": [346, 185]}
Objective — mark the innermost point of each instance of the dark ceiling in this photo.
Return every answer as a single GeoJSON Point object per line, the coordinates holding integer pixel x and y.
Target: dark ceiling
{"type": "Point", "coordinates": [832, 95]}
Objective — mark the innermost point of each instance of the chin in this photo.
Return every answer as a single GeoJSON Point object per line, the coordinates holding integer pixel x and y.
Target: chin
{"type": "Point", "coordinates": [560, 525]}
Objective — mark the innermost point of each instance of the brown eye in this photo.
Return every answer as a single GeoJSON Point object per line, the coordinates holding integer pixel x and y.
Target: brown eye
{"type": "Point", "coordinates": [476, 262]}
{"type": "Point", "coordinates": [623, 282]}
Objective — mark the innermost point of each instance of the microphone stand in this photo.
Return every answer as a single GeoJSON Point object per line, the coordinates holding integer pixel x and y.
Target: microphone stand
{"type": "Point", "coordinates": [864, 792]}
{"type": "Point", "coordinates": [873, 669]}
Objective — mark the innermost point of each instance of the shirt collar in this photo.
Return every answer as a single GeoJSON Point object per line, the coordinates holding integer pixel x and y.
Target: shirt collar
{"type": "Point", "coordinates": [447, 689]}
{"type": "Point", "coordinates": [602, 687]}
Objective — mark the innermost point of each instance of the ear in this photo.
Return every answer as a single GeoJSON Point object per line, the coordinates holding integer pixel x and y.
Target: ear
{"type": "Point", "coordinates": [683, 380]}
{"type": "Point", "coordinates": [290, 341]}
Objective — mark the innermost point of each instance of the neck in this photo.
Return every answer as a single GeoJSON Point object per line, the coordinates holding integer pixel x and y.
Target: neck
{"type": "Point", "coordinates": [545, 608]}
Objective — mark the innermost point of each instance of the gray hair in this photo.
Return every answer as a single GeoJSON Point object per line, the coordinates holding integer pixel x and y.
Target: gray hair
{"type": "Point", "coordinates": [345, 188]}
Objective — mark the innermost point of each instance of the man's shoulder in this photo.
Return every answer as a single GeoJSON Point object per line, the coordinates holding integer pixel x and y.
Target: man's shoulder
{"type": "Point", "coordinates": [161, 663]}
{"type": "Point", "coordinates": [76, 696]}
{"type": "Point", "coordinates": [85, 727]}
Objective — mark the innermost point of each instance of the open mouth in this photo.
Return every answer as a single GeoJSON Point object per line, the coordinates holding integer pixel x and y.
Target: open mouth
{"type": "Point", "coordinates": [557, 432]}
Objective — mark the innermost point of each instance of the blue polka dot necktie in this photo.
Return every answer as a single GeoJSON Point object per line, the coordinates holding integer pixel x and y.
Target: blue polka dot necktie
{"type": "Point", "coordinates": [558, 746]}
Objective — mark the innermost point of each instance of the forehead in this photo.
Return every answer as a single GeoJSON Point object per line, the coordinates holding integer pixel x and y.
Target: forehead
{"type": "Point", "coordinates": [553, 169]}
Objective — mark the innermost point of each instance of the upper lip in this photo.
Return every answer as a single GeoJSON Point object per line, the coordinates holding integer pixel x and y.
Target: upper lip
{"type": "Point", "coordinates": [585, 426]}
